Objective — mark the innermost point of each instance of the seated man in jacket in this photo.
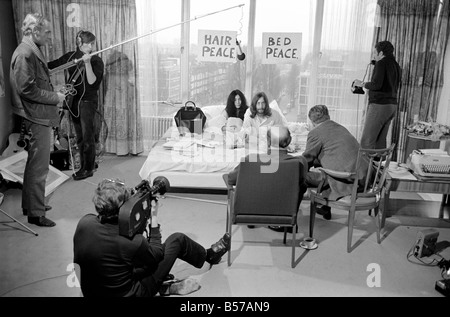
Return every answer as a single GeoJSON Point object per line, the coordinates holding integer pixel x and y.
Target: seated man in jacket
{"type": "Point", "coordinates": [331, 146]}
{"type": "Point", "coordinates": [278, 139]}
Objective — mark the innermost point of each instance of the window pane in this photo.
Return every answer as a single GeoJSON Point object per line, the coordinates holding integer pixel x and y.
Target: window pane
{"type": "Point", "coordinates": [283, 82]}
{"type": "Point", "coordinates": [211, 82]}
{"type": "Point", "coordinates": [346, 47]}
{"type": "Point", "coordinates": [159, 65]}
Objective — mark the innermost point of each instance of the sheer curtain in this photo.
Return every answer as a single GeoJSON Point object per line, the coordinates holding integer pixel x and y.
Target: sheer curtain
{"type": "Point", "coordinates": [112, 21]}
{"type": "Point", "coordinates": [419, 31]}
{"type": "Point", "coordinates": [346, 47]}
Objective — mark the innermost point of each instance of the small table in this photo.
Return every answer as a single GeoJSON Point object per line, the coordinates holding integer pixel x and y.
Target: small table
{"type": "Point", "coordinates": [407, 182]}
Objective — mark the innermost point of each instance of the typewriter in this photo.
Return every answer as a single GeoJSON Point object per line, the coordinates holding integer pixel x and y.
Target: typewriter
{"type": "Point", "coordinates": [430, 163]}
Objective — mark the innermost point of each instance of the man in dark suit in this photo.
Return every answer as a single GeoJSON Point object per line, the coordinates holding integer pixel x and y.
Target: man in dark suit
{"type": "Point", "coordinates": [278, 139]}
{"type": "Point", "coordinates": [331, 146]}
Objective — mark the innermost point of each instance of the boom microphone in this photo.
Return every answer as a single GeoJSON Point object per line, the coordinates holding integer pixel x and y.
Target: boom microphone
{"type": "Point", "coordinates": [240, 56]}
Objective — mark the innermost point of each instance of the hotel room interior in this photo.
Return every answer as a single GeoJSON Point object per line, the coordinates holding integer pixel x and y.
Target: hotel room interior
{"type": "Point", "coordinates": [164, 65]}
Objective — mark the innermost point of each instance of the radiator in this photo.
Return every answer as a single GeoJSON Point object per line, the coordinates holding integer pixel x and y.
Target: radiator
{"type": "Point", "coordinates": [155, 127]}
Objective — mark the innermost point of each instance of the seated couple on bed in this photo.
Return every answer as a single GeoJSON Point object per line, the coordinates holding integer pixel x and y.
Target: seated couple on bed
{"type": "Point", "coordinates": [250, 122]}
{"type": "Point", "coordinates": [239, 117]}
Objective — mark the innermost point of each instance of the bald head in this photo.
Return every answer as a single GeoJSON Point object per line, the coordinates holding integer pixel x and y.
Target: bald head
{"type": "Point", "coordinates": [279, 136]}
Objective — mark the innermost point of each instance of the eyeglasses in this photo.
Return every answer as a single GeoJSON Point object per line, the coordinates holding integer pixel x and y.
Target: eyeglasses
{"type": "Point", "coordinates": [117, 181]}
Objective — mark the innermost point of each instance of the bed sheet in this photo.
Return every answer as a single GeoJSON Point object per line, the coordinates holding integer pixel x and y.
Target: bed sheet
{"type": "Point", "coordinates": [195, 155]}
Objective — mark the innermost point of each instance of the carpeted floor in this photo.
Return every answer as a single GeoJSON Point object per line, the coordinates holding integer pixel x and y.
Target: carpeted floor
{"type": "Point", "coordinates": [42, 266]}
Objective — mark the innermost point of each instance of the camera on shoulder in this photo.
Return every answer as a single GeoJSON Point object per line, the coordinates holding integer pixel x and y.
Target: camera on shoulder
{"type": "Point", "coordinates": [135, 212]}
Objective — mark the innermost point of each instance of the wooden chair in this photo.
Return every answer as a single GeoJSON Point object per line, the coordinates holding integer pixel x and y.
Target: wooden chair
{"type": "Point", "coordinates": [269, 199]}
{"type": "Point", "coordinates": [367, 199]}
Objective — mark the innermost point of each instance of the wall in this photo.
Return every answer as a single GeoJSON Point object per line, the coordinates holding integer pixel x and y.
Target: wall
{"type": "Point", "coordinates": [7, 45]}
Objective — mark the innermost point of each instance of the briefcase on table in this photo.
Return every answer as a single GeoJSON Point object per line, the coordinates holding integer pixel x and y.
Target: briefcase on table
{"type": "Point", "coordinates": [190, 119]}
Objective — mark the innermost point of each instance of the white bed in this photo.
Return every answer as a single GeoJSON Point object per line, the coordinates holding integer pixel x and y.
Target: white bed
{"type": "Point", "coordinates": [199, 161]}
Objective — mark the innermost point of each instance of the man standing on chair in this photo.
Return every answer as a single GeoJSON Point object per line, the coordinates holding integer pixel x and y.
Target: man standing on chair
{"type": "Point", "coordinates": [331, 146]}
{"type": "Point", "coordinates": [383, 101]}
{"type": "Point", "coordinates": [86, 78]}
{"type": "Point", "coordinates": [36, 103]}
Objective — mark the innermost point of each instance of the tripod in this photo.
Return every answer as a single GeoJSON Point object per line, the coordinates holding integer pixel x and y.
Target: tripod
{"type": "Point", "coordinates": [6, 214]}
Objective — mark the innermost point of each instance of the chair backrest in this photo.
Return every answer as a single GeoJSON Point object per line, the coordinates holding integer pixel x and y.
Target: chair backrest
{"type": "Point", "coordinates": [267, 196]}
{"type": "Point", "coordinates": [378, 166]}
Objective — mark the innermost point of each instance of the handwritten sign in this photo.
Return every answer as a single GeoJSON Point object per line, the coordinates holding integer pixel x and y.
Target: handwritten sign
{"type": "Point", "coordinates": [282, 48]}
{"type": "Point", "coordinates": [217, 46]}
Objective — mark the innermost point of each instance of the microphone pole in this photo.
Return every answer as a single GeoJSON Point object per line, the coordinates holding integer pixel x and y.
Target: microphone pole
{"type": "Point", "coordinates": [76, 61]}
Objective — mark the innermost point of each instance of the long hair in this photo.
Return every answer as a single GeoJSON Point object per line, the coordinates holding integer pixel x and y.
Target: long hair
{"type": "Point", "coordinates": [231, 109]}
{"type": "Point", "coordinates": [267, 110]}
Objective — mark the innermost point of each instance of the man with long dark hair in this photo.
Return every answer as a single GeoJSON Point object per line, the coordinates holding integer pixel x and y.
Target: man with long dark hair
{"type": "Point", "coordinates": [260, 115]}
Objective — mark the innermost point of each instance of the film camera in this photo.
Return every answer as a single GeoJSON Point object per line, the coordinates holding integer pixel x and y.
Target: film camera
{"type": "Point", "coordinates": [135, 212]}
{"type": "Point", "coordinates": [356, 89]}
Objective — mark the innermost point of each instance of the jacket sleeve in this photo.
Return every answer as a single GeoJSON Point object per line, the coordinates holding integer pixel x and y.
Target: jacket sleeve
{"type": "Point", "coordinates": [150, 253]}
{"type": "Point", "coordinates": [27, 78]}
{"type": "Point", "coordinates": [313, 149]}
{"type": "Point", "coordinates": [377, 78]}
{"type": "Point", "coordinates": [98, 68]}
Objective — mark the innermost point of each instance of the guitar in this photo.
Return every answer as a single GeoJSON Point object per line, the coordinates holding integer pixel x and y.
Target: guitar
{"type": "Point", "coordinates": [16, 143]}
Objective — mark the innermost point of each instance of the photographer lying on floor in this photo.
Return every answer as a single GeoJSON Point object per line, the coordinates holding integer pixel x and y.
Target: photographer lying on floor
{"type": "Point", "coordinates": [114, 265]}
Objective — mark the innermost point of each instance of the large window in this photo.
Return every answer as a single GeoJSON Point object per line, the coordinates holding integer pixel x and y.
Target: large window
{"type": "Point", "coordinates": [323, 76]}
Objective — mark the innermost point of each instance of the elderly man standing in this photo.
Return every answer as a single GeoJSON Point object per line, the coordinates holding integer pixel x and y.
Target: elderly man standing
{"type": "Point", "coordinates": [331, 146]}
{"type": "Point", "coordinates": [35, 101]}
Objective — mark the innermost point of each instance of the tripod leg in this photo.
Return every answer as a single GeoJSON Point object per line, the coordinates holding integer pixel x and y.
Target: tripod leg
{"type": "Point", "coordinates": [15, 220]}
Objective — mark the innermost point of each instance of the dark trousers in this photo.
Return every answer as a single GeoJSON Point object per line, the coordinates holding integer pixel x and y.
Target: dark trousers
{"type": "Point", "coordinates": [376, 126]}
{"type": "Point", "coordinates": [177, 246]}
{"type": "Point", "coordinates": [36, 169]}
{"type": "Point", "coordinates": [85, 130]}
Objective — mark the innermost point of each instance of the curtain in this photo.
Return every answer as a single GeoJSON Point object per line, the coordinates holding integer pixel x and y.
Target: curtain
{"type": "Point", "coordinates": [419, 31]}
{"type": "Point", "coordinates": [346, 46]}
{"type": "Point", "coordinates": [112, 21]}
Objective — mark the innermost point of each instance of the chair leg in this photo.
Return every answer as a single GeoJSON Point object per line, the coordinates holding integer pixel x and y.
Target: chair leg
{"type": "Point", "coordinates": [285, 234]}
{"type": "Point", "coordinates": [229, 231]}
{"type": "Point", "coordinates": [351, 220]}
{"type": "Point", "coordinates": [294, 230]}
{"type": "Point", "coordinates": [312, 218]}
{"type": "Point", "coordinates": [378, 222]}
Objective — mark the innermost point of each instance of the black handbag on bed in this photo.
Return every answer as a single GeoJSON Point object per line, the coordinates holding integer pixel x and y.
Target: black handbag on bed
{"type": "Point", "coordinates": [190, 119]}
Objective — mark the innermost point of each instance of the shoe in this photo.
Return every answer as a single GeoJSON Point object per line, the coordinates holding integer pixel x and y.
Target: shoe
{"type": "Point", "coordinates": [218, 249]}
{"type": "Point", "coordinates": [324, 211]}
{"type": "Point", "coordinates": [82, 175]}
{"type": "Point", "coordinates": [25, 211]}
{"type": "Point", "coordinates": [281, 229]}
{"type": "Point", "coordinates": [177, 287]}
{"type": "Point", "coordinates": [41, 221]}
{"type": "Point", "coordinates": [251, 226]}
